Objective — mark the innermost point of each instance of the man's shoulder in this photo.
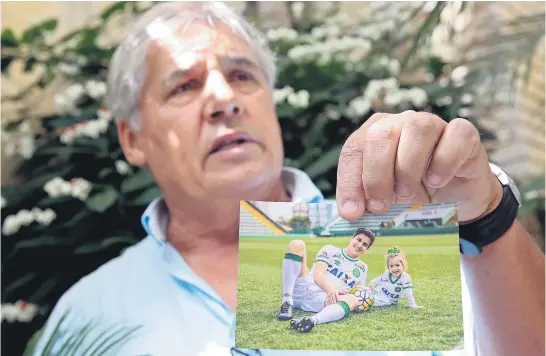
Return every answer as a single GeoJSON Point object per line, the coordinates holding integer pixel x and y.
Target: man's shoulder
{"type": "Point", "coordinates": [328, 251]}
{"type": "Point", "coordinates": [108, 280]}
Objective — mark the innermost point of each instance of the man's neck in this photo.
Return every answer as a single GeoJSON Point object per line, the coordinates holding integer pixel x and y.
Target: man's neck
{"type": "Point", "coordinates": [206, 234]}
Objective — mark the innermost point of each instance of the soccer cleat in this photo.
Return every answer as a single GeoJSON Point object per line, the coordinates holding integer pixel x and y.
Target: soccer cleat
{"type": "Point", "coordinates": [303, 325]}
{"type": "Point", "coordinates": [286, 311]}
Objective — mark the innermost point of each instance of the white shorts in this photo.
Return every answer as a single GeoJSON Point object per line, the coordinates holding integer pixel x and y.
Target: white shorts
{"type": "Point", "coordinates": [308, 296]}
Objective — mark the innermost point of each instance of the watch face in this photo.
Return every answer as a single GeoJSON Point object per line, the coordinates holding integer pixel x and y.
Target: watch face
{"type": "Point", "coordinates": [506, 181]}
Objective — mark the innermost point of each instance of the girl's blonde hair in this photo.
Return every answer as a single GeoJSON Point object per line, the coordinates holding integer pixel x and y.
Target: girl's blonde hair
{"type": "Point", "coordinates": [395, 252]}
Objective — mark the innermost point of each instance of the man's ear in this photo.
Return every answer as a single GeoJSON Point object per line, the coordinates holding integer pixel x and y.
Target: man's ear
{"type": "Point", "coordinates": [129, 144]}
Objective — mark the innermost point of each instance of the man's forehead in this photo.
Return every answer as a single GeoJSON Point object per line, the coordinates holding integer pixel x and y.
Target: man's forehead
{"type": "Point", "coordinates": [197, 38]}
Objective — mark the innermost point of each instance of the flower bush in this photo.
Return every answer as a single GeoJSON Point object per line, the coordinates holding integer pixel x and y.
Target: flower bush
{"type": "Point", "coordinates": [78, 202]}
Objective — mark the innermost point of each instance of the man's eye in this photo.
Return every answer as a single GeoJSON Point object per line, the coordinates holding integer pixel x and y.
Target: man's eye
{"type": "Point", "coordinates": [241, 76]}
{"type": "Point", "coordinates": [184, 87]}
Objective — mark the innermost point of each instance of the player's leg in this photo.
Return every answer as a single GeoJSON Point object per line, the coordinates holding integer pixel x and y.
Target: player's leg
{"type": "Point", "coordinates": [294, 266]}
{"type": "Point", "coordinates": [328, 314]}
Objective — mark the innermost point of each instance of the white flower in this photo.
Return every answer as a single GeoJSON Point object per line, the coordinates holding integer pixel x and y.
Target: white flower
{"type": "Point", "coordinates": [95, 89]}
{"type": "Point", "coordinates": [123, 167]}
{"type": "Point", "coordinates": [443, 101]}
{"type": "Point", "coordinates": [65, 101]}
{"type": "Point", "coordinates": [467, 98]}
{"type": "Point", "coordinates": [459, 73]}
{"type": "Point", "coordinates": [394, 98]}
{"type": "Point", "coordinates": [418, 96]}
{"type": "Point", "coordinates": [443, 82]}
{"type": "Point", "coordinates": [25, 217]}
{"type": "Point", "coordinates": [394, 67]}
{"type": "Point", "coordinates": [11, 225]}
{"type": "Point", "coordinates": [27, 146]}
{"type": "Point", "coordinates": [56, 187]}
{"type": "Point", "coordinates": [281, 34]}
{"type": "Point", "coordinates": [21, 311]}
{"type": "Point", "coordinates": [105, 115]}
{"type": "Point", "coordinates": [9, 312]}
{"type": "Point", "coordinates": [464, 112]}
{"type": "Point", "coordinates": [3, 202]}
{"type": "Point", "coordinates": [68, 69]}
{"type": "Point", "coordinates": [280, 95]}
{"type": "Point", "coordinates": [358, 107]}
{"type": "Point", "coordinates": [45, 217]}
{"type": "Point", "coordinates": [299, 99]}
{"type": "Point", "coordinates": [80, 188]}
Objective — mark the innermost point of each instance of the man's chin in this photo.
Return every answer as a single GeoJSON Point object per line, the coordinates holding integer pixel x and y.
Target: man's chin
{"type": "Point", "coordinates": [243, 184]}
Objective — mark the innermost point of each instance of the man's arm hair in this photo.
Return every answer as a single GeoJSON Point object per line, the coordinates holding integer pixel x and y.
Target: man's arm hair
{"type": "Point", "coordinates": [506, 285]}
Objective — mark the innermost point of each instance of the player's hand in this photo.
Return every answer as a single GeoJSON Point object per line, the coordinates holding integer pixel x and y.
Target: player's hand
{"type": "Point", "coordinates": [333, 297]}
{"type": "Point", "coordinates": [415, 158]}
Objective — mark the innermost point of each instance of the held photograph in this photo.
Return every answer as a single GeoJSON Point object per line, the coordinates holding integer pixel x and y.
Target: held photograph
{"type": "Point", "coordinates": [310, 280]}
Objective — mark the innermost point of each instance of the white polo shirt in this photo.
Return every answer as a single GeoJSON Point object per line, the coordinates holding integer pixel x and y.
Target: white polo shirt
{"type": "Point", "coordinates": [150, 285]}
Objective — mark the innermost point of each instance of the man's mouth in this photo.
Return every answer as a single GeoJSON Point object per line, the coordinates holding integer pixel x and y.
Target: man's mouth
{"type": "Point", "coordinates": [359, 249]}
{"type": "Point", "coordinates": [229, 141]}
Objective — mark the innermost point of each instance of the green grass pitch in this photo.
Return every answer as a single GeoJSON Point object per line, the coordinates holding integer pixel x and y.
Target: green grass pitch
{"type": "Point", "coordinates": [434, 265]}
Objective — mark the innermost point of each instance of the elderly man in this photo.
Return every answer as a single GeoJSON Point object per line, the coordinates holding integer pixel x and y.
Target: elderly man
{"type": "Point", "coordinates": [191, 87]}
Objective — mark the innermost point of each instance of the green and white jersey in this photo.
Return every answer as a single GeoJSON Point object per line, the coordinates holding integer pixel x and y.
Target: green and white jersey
{"type": "Point", "coordinates": [391, 289]}
{"type": "Point", "coordinates": [343, 272]}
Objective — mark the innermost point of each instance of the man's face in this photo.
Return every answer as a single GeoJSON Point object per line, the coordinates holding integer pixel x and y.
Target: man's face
{"type": "Point", "coordinates": [358, 245]}
{"type": "Point", "coordinates": [208, 122]}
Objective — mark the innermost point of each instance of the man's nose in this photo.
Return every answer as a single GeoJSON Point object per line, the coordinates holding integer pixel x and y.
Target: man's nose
{"type": "Point", "coordinates": [222, 103]}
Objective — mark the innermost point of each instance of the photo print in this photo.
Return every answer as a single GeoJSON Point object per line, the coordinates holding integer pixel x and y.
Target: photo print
{"type": "Point", "coordinates": [310, 280]}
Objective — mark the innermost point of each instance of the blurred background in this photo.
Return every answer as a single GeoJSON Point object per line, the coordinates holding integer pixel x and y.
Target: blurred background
{"type": "Point", "coordinates": [70, 202]}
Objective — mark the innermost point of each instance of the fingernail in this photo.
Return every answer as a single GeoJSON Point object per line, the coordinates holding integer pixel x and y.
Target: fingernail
{"type": "Point", "coordinates": [376, 204]}
{"type": "Point", "coordinates": [403, 191]}
{"type": "Point", "coordinates": [434, 179]}
{"type": "Point", "coordinates": [350, 207]}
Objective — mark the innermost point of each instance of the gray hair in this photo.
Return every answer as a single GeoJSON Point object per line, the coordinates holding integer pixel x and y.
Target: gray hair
{"type": "Point", "coordinates": [127, 68]}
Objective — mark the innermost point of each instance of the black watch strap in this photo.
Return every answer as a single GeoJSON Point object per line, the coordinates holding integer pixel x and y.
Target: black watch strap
{"type": "Point", "coordinates": [473, 236]}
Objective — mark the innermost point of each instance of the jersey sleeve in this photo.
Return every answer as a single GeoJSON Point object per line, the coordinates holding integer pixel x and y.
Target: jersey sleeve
{"type": "Point", "coordinates": [325, 254]}
{"type": "Point", "coordinates": [406, 282]}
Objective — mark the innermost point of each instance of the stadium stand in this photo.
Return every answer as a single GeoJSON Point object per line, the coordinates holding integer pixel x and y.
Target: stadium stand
{"type": "Point", "coordinates": [253, 222]}
{"type": "Point", "coordinates": [376, 222]}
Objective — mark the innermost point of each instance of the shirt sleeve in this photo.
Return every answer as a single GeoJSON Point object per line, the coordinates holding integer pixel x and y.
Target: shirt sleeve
{"type": "Point", "coordinates": [406, 282]}
{"type": "Point", "coordinates": [325, 254]}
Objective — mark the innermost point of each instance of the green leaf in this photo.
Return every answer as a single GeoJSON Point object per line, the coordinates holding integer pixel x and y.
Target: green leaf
{"type": "Point", "coordinates": [117, 7]}
{"type": "Point", "coordinates": [103, 200]}
{"type": "Point", "coordinates": [18, 283]}
{"type": "Point", "coordinates": [105, 172]}
{"type": "Point", "coordinates": [141, 179]}
{"type": "Point", "coordinates": [36, 33]}
{"type": "Point", "coordinates": [326, 162]}
{"type": "Point", "coordinates": [103, 244]}
{"type": "Point", "coordinates": [146, 197]}
{"type": "Point", "coordinates": [8, 39]}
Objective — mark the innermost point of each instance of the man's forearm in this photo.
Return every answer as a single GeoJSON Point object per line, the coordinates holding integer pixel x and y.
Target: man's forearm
{"type": "Point", "coordinates": [506, 284]}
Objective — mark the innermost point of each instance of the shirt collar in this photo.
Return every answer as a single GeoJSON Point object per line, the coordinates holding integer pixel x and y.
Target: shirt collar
{"type": "Point", "coordinates": [155, 218]}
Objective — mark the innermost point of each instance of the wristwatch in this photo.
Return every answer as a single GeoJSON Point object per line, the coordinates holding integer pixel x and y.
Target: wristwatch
{"type": "Point", "coordinates": [473, 236]}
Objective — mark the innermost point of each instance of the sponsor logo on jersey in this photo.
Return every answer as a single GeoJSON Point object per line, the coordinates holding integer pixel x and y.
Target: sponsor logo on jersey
{"type": "Point", "coordinates": [337, 255]}
{"type": "Point", "coordinates": [397, 289]}
{"type": "Point", "coordinates": [337, 262]}
{"type": "Point", "coordinates": [342, 276]}
{"type": "Point", "coordinates": [356, 272]}
{"type": "Point", "coordinates": [389, 294]}
{"type": "Point", "coordinates": [323, 254]}
{"type": "Point", "coordinates": [362, 266]}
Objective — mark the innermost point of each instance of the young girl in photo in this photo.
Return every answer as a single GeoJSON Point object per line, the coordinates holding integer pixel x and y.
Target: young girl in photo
{"type": "Point", "coordinates": [395, 283]}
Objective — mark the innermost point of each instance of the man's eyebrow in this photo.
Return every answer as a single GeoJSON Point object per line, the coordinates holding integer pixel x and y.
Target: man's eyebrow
{"type": "Point", "coordinates": [175, 76]}
{"type": "Point", "coordinates": [232, 61]}
{"type": "Point", "coordinates": [238, 61]}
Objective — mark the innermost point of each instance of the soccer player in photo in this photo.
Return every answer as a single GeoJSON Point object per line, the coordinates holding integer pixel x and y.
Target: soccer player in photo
{"type": "Point", "coordinates": [395, 282]}
{"type": "Point", "coordinates": [324, 289]}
